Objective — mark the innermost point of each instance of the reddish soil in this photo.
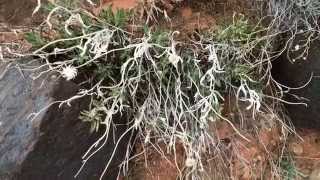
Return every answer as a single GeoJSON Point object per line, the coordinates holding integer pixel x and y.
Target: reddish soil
{"type": "Point", "coordinates": [18, 12]}
{"type": "Point", "coordinates": [14, 41]}
{"type": "Point", "coordinates": [15, 19]}
{"type": "Point", "coordinates": [116, 4]}
{"type": "Point", "coordinates": [248, 160]}
{"type": "Point", "coordinates": [306, 151]}
{"type": "Point", "coordinates": [119, 4]}
{"type": "Point", "coordinates": [158, 166]}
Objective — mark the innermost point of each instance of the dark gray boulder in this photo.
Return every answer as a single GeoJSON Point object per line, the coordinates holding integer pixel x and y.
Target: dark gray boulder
{"type": "Point", "coordinates": [19, 97]}
{"type": "Point", "coordinates": [297, 74]}
{"type": "Point", "coordinates": [50, 146]}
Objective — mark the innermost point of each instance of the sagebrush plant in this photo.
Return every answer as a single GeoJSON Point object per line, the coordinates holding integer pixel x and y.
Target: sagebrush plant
{"type": "Point", "coordinates": [169, 91]}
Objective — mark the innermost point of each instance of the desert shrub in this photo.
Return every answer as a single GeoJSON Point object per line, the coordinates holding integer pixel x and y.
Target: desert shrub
{"type": "Point", "coordinates": [170, 91]}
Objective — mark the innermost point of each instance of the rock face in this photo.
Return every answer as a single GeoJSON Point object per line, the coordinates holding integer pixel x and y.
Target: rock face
{"type": "Point", "coordinates": [298, 74]}
{"type": "Point", "coordinates": [19, 97]}
{"type": "Point", "coordinates": [49, 146]}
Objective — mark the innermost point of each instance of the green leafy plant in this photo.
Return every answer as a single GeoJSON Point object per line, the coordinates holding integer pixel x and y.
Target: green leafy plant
{"type": "Point", "coordinates": [35, 39]}
{"type": "Point", "coordinates": [289, 170]}
{"type": "Point", "coordinates": [239, 31]}
{"type": "Point", "coordinates": [118, 18]}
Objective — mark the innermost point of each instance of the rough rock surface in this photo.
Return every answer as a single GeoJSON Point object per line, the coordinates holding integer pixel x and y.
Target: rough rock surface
{"type": "Point", "coordinates": [19, 97]}
{"type": "Point", "coordinates": [297, 74]}
{"type": "Point", "coordinates": [50, 146]}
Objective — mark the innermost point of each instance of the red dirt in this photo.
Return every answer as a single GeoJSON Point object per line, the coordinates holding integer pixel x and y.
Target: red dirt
{"type": "Point", "coordinates": [15, 42]}
{"type": "Point", "coordinates": [158, 166]}
{"type": "Point", "coordinates": [119, 4]}
{"type": "Point", "coordinates": [116, 4]}
{"type": "Point", "coordinates": [18, 12]}
{"type": "Point", "coordinates": [306, 151]}
{"type": "Point", "coordinates": [248, 160]}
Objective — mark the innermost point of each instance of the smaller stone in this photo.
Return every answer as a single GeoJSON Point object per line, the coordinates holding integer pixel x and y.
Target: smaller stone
{"type": "Point", "coordinates": [259, 158]}
{"type": "Point", "coordinates": [53, 77]}
{"type": "Point", "coordinates": [190, 162]}
{"type": "Point", "coordinates": [296, 148]}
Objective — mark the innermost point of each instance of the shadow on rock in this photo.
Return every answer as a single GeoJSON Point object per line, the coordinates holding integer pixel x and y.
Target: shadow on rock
{"type": "Point", "coordinates": [297, 74]}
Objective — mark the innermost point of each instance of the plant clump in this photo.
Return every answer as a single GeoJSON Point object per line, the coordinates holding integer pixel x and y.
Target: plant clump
{"type": "Point", "coordinates": [171, 92]}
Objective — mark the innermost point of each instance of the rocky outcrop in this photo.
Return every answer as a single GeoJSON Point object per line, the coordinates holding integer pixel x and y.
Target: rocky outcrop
{"type": "Point", "coordinates": [19, 97]}
{"type": "Point", "coordinates": [49, 146]}
{"type": "Point", "coordinates": [297, 74]}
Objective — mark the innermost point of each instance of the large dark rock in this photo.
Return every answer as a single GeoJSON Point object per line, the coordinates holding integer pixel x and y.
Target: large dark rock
{"type": "Point", "coordinates": [19, 97]}
{"type": "Point", "coordinates": [298, 74]}
{"type": "Point", "coordinates": [50, 146]}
